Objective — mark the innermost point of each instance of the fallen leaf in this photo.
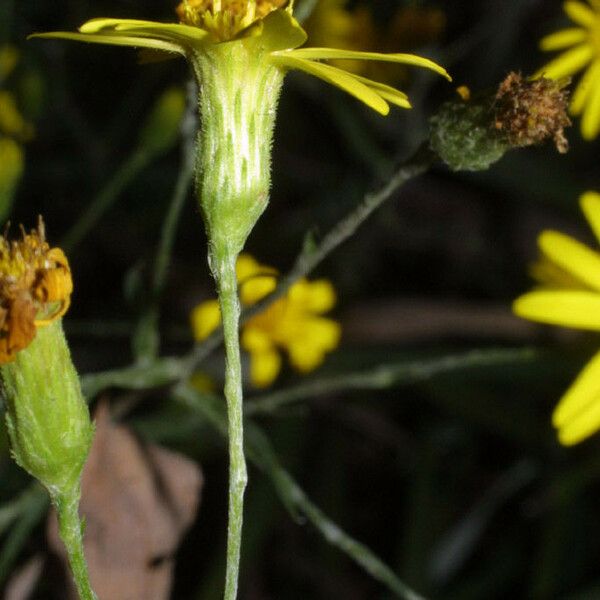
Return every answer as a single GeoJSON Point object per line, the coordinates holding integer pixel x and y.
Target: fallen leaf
{"type": "Point", "coordinates": [137, 501]}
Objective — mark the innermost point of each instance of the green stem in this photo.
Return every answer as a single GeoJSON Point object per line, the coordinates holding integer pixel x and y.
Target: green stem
{"type": "Point", "coordinates": [262, 454]}
{"type": "Point", "coordinates": [71, 532]}
{"type": "Point", "coordinates": [230, 313]}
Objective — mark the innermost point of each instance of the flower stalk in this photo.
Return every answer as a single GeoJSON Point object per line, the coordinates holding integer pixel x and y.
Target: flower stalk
{"type": "Point", "coordinates": [70, 528]}
{"type": "Point", "coordinates": [238, 101]}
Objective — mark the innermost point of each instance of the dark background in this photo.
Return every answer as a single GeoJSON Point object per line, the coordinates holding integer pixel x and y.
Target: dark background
{"type": "Point", "coordinates": [457, 483]}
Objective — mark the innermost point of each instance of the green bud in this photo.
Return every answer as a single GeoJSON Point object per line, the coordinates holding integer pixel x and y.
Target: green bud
{"type": "Point", "coordinates": [47, 417]}
{"type": "Point", "coordinates": [161, 129]}
{"type": "Point", "coordinates": [462, 136]}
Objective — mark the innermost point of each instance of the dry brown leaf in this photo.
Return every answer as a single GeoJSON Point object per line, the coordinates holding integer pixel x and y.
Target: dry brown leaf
{"type": "Point", "coordinates": [137, 500]}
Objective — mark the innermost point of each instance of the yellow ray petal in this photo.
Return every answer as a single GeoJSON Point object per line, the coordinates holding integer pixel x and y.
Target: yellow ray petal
{"type": "Point", "coordinates": [313, 296]}
{"type": "Point", "coordinates": [583, 392]}
{"type": "Point", "coordinates": [590, 120]}
{"type": "Point", "coordinates": [568, 62]}
{"type": "Point", "coordinates": [165, 31]}
{"type": "Point", "coordinates": [585, 85]}
{"type": "Point", "coordinates": [332, 53]}
{"type": "Point", "coordinates": [205, 318]}
{"type": "Point", "coordinates": [111, 40]}
{"type": "Point", "coordinates": [341, 79]}
{"type": "Point", "coordinates": [387, 92]}
{"type": "Point", "coordinates": [305, 357]}
{"type": "Point", "coordinates": [590, 205]}
{"type": "Point", "coordinates": [580, 13]}
{"type": "Point", "coordinates": [572, 256]}
{"type": "Point", "coordinates": [581, 427]}
{"type": "Point", "coordinates": [264, 368]}
{"type": "Point", "coordinates": [114, 25]}
{"type": "Point", "coordinates": [563, 39]}
{"type": "Point", "coordinates": [570, 308]}
{"type": "Point", "coordinates": [254, 339]}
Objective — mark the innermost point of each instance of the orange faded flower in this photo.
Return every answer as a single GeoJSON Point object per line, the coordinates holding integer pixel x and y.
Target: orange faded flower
{"type": "Point", "coordinates": [35, 289]}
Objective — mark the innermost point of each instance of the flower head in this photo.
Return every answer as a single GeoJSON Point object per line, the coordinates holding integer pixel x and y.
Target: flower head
{"type": "Point", "coordinates": [266, 27]}
{"type": "Point", "coordinates": [294, 323]}
{"type": "Point", "coordinates": [581, 45]}
{"type": "Point", "coordinates": [224, 19]}
{"type": "Point", "coordinates": [569, 273]}
{"type": "Point", "coordinates": [35, 289]}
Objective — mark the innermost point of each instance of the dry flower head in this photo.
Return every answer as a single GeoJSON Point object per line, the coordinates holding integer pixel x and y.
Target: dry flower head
{"type": "Point", "coordinates": [35, 289]}
{"type": "Point", "coordinates": [531, 111]}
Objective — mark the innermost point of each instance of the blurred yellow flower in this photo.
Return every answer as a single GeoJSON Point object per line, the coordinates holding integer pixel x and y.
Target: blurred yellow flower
{"type": "Point", "coordinates": [582, 51]}
{"type": "Point", "coordinates": [333, 23]}
{"type": "Point", "coordinates": [569, 273]}
{"type": "Point", "coordinates": [293, 323]}
{"type": "Point", "coordinates": [9, 57]}
{"type": "Point", "coordinates": [14, 129]}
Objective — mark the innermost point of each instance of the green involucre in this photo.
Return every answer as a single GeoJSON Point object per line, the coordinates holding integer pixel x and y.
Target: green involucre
{"type": "Point", "coordinates": [47, 417]}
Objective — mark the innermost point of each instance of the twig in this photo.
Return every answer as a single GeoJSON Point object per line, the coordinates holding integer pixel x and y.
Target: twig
{"type": "Point", "coordinates": [260, 452]}
{"type": "Point", "coordinates": [385, 376]}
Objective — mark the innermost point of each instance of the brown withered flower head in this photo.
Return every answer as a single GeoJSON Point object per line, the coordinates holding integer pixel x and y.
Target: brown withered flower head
{"type": "Point", "coordinates": [35, 289]}
{"type": "Point", "coordinates": [528, 111]}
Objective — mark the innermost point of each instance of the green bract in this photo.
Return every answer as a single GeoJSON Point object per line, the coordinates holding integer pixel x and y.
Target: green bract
{"type": "Point", "coordinates": [47, 418]}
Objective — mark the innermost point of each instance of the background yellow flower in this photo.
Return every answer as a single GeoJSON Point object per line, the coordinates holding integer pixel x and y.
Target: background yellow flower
{"type": "Point", "coordinates": [570, 296]}
{"type": "Point", "coordinates": [293, 324]}
{"type": "Point", "coordinates": [583, 53]}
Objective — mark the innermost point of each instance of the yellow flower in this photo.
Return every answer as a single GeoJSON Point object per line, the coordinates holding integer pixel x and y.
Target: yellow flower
{"type": "Point", "coordinates": [293, 323]}
{"type": "Point", "coordinates": [11, 168]}
{"type": "Point", "coordinates": [333, 23]}
{"type": "Point", "coordinates": [570, 296]}
{"type": "Point", "coordinates": [583, 52]}
{"type": "Point", "coordinates": [266, 27]}
{"type": "Point", "coordinates": [35, 289]}
{"type": "Point", "coordinates": [12, 122]}
{"type": "Point", "coordinates": [9, 56]}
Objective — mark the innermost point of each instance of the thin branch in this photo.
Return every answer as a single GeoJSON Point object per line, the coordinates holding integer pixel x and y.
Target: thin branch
{"type": "Point", "coordinates": [385, 376]}
{"type": "Point", "coordinates": [261, 453]}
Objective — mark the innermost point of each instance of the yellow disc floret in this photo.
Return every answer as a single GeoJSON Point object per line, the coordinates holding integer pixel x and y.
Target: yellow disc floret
{"type": "Point", "coordinates": [224, 19]}
{"type": "Point", "coordinates": [35, 289]}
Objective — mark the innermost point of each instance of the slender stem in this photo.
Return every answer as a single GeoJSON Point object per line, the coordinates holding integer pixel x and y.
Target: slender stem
{"type": "Point", "coordinates": [311, 256]}
{"type": "Point", "coordinates": [386, 376]}
{"type": "Point", "coordinates": [70, 528]}
{"type": "Point", "coordinates": [262, 454]}
{"type": "Point", "coordinates": [230, 313]}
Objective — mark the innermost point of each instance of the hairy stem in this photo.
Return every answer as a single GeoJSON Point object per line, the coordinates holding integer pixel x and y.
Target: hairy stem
{"type": "Point", "coordinates": [230, 313]}
{"type": "Point", "coordinates": [70, 528]}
